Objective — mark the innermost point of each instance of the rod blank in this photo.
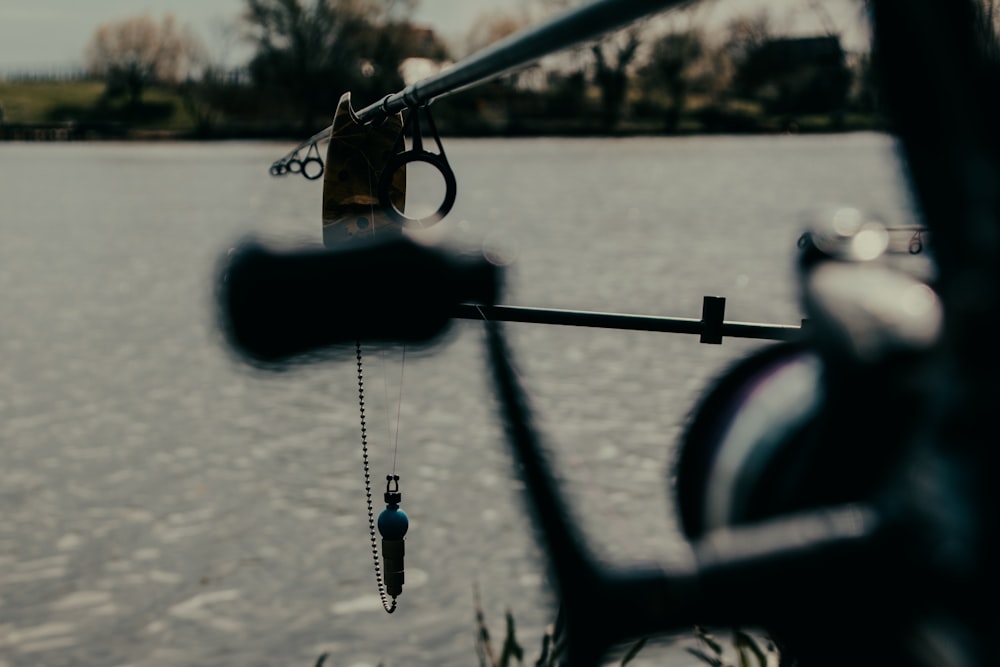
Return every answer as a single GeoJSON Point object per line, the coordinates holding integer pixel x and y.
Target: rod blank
{"type": "Point", "coordinates": [522, 48]}
{"type": "Point", "coordinates": [519, 49]}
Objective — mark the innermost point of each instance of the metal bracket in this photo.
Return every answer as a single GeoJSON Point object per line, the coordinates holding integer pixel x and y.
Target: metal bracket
{"type": "Point", "coordinates": [417, 153]}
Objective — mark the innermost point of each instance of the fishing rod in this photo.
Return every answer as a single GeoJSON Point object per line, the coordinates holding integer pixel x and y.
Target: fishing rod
{"type": "Point", "coordinates": [517, 50]}
{"type": "Point", "coordinates": [844, 488]}
{"type": "Point", "coordinates": [364, 196]}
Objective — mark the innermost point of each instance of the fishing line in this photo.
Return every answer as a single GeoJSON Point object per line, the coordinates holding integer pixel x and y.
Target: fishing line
{"type": "Point", "coordinates": [382, 355]}
{"type": "Point", "coordinates": [399, 408]}
{"type": "Point", "coordinates": [382, 352]}
{"type": "Point", "coordinates": [392, 522]}
{"type": "Point", "coordinates": [385, 389]}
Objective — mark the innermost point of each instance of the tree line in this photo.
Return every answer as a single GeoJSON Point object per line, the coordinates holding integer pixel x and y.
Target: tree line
{"type": "Point", "coordinates": [306, 53]}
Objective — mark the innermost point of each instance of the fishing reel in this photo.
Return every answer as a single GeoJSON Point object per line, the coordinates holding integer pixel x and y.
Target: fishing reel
{"type": "Point", "coordinates": [818, 421]}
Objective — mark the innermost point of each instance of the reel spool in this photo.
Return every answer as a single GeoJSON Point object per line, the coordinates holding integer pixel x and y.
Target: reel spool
{"type": "Point", "coordinates": [747, 435]}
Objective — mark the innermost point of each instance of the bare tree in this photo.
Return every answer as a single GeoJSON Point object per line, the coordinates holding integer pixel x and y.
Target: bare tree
{"type": "Point", "coordinates": [611, 73]}
{"type": "Point", "coordinates": [609, 60]}
{"type": "Point", "coordinates": [672, 66]}
{"type": "Point", "coordinates": [492, 27]}
{"type": "Point", "coordinates": [312, 51]}
{"type": "Point", "coordinates": [746, 34]}
{"type": "Point", "coordinates": [136, 52]}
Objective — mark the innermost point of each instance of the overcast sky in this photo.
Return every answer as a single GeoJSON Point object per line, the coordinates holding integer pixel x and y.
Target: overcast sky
{"type": "Point", "coordinates": [37, 34]}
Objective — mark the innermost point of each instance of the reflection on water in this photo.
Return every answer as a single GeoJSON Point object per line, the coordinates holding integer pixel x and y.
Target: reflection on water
{"type": "Point", "coordinates": [165, 506]}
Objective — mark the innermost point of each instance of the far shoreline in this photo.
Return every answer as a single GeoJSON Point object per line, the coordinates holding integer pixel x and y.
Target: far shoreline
{"type": "Point", "coordinates": [80, 132]}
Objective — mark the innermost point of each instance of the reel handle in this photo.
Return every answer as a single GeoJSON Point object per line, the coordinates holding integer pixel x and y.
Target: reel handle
{"type": "Point", "coordinates": [276, 305]}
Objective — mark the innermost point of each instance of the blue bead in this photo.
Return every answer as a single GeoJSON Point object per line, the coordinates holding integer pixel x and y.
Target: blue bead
{"type": "Point", "coordinates": [393, 523]}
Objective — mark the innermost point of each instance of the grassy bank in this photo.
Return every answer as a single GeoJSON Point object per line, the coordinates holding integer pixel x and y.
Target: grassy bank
{"type": "Point", "coordinates": [48, 102]}
{"type": "Point", "coordinates": [37, 102]}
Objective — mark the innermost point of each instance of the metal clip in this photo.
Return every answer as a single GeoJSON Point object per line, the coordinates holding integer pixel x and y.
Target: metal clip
{"type": "Point", "coordinates": [392, 493]}
{"type": "Point", "coordinates": [417, 153]}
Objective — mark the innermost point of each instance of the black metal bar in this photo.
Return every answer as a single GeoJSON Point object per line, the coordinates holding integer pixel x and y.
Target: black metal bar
{"type": "Point", "coordinates": [521, 48]}
{"type": "Point", "coordinates": [761, 331]}
{"type": "Point", "coordinates": [580, 318]}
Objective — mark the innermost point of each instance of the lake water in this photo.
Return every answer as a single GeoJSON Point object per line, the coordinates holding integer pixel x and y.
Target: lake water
{"type": "Point", "coordinates": [163, 505]}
